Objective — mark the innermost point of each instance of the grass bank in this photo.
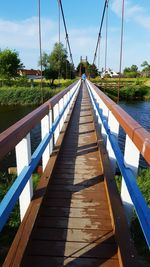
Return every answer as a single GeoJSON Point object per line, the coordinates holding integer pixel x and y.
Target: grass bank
{"type": "Point", "coordinates": [30, 95]}
{"type": "Point", "coordinates": [9, 231]}
{"type": "Point", "coordinates": [130, 89]}
{"type": "Point", "coordinates": [143, 181]}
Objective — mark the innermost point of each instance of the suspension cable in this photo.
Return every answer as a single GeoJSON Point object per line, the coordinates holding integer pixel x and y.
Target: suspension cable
{"type": "Point", "coordinates": [40, 45]}
{"type": "Point", "coordinates": [98, 60]}
{"type": "Point", "coordinates": [67, 36]}
{"type": "Point", "coordinates": [106, 36]}
{"type": "Point", "coordinates": [100, 30]}
{"type": "Point", "coordinates": [66, 59]}
{"type": "Point", "coordinates": [59, 42]}
{"type": "Point", "coordinates": [121, 52]}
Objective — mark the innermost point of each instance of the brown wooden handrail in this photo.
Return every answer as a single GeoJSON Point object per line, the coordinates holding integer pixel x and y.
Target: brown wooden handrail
{"type": "Point", "coordinates": [15, 133]}
{"type": "Point", "coordinates": [139, 136]}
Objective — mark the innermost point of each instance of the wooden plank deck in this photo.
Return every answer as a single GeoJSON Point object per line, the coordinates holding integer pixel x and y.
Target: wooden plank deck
{"type": "Point", "coordinates": [74, 225]}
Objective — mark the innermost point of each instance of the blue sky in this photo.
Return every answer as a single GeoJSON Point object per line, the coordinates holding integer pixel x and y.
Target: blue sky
{"type": "Point", "coordinates": [19, 29]}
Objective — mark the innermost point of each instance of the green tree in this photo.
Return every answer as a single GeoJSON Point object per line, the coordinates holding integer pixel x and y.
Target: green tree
{"type": "Point", "coordinates": [56, 64]}
{"type": "Point", "coordinates": [134, 68]}
{"type": "Point", "coordinates": [131, 72]}
{"type": "Point", "coordinates": [9, 64]}
{"type": "Point", "coordinates": [57, 58]}
{"type": "Point", "coordinates": [146, 69]}
{"type": "Point", "coordinates": [92, 70]}
{"type": "Point", "coordinates": [50, 74]}
{"type": "Point", "coordinates": [89, 69]}
{"type": "Point", "coordinates": [44, 60]}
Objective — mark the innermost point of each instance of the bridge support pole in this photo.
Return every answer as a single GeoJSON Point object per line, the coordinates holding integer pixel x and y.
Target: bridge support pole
{"type": "Point", "coordinates": [131, 160]}
{"type": "Point", "coordinates": [23, 158]}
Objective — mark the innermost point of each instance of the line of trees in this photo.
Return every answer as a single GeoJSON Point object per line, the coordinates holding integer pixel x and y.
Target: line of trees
{"type": "Point", "coordinates": [9, 64]}
{"type": "Point", "coordinates": [133, 71]}
{"type": "Point", "coordinates": [89, 69]}
{"type": "Point", "coordinates": [56, 65]}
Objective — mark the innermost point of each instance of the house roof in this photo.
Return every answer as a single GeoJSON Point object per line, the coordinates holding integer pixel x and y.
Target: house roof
{"type": "Point", "coordinates": [30, 72]}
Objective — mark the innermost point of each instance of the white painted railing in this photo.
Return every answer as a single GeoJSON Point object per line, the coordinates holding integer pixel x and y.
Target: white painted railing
{"type": "Point", "coordinates": [51, 115]}
{"type": "Point", "coordinates": [110, 118]}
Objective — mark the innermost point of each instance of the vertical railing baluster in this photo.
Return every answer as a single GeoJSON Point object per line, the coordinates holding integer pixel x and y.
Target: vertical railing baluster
{"type": "Point", "coordinates": [56, 113]}
{"type": "Point", "coordinates": [131, 160]}
{"type": "Point", "coordinates": [50, 126]}
{"type": "Point", "coordinates": [61, 106]}
{"type": "Point", "coordinates": [45, 126]}
{"type": "Point", "coordinates": [114, 129]}
{"type": "Point", "coordinates": [23, 158]}
{"type": "Point", "coordinates": [65, 101]}
{"type": "Point", "coordinates": [103, 131]}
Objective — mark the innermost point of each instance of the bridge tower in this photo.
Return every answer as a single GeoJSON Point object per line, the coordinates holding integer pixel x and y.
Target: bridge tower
{"type": "Point", "coordinates": [83, 65]}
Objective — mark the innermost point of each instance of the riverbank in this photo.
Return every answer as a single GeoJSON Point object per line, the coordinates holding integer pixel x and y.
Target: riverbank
{"type": "Point", "coordinates": [130, 89]}
{"type": "Point", "coordinates": [13, 222]}
{"type": "Point", "coordinates": [143, 181]}
{"type": "Point", "coordinates": [30, 95]}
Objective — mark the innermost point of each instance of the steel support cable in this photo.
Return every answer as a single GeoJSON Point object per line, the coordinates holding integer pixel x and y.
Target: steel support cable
{"type": "Point", "coordinates": [66, 59]}
{"type": "Point", "coordinates": [121, 51]}
{"type": "Point", "coordinates": [59, 42]}
{"type": "Point", "coordinates": [67, 36]}
{"type": "Point", "coordinates": [106, 41]}
{"type": "Point", "coordinates": [100, 30]}
{"type": "Point", "coordinates": [40, 46]}
{"type": "Point", "coordinates": [98, 62]}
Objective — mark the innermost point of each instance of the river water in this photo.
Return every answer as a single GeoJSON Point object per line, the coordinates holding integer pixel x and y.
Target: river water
{"type": "Point", "coordinates": [140, 111]}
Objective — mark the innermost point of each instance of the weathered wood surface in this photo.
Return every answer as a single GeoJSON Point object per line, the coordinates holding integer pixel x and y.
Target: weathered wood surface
{"type": "Point", "coordinates": [74, 226]}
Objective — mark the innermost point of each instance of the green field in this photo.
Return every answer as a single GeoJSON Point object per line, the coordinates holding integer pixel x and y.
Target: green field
{"type": "Point", "coordinates": [130, 88]}
{"type": "Point", "coordinates": [31, 95]}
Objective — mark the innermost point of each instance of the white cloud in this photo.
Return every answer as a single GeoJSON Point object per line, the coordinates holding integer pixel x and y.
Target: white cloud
{"type": "Point", "coordinates": [24, 34]}
{"type": "Point", "coordinates": [133, 12]}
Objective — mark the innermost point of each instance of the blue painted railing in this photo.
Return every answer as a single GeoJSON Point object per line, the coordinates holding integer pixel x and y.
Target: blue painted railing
{"type": "Point", "coordinates": [11, 197]}
{"type": "Point", "coordinates": [140, 205]}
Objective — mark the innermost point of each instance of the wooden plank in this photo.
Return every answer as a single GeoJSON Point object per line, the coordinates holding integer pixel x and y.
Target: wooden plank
{"type": "Point", "coordinates": [20, 242]}
{"type": "Point", "coordinates": [73, 226]}
{"type": "Point", "coordinates": [75, 180]}
{"type": "Point", "coordinates": [72, 235]}
{"type": "Point", "coordinates": [74, 195]}
{"type": "Point", "coordinates": [74, 223]}
{"type": "Point", "coordinates": [77, 188]}
{"type": "Point", "coordinates": [46, 261]}
{"type": "Point", "coordinates": [75, 212]}
{"type": "Point", "coordinates": [76, 203]}
{"type": "Point", "coordinates": [126, 251]}
{"type": "Point", "coordinates": [73, 249]}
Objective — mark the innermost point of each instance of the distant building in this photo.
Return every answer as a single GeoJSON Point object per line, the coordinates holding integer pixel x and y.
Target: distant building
{"type": "Point", "coordinates": [109, 73]}
{"type": "Point", "coordinates": [31, 74]}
